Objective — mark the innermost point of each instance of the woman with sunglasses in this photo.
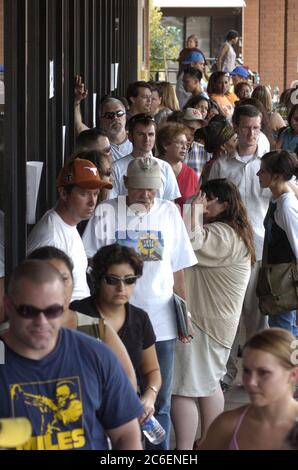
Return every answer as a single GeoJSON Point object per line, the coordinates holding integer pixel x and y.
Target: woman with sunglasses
{"type": "Point", "coordinates": [75, 320]}
{"type": "Point", "coordinates": [115, 271]}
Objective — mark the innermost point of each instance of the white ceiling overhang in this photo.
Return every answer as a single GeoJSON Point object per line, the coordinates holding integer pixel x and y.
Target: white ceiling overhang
{"type": "Point", "coordinates": [199, 3]}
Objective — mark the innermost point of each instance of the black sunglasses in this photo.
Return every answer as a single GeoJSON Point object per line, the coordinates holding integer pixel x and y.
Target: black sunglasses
{"type": "Point", "coordinates": [111, 115]}
{"type": "Point", "coordinates": [115, 280]}
{"type": "Point", "coordinates": [29, 311]}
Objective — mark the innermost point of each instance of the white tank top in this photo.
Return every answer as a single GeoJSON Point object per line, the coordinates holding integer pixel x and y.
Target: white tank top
{"type": "Point", "coordinates": [229, 60]}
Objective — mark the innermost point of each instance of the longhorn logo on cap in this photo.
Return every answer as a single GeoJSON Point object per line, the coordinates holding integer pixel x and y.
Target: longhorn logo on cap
{"type": "Point", "coordinates": [92, 169]}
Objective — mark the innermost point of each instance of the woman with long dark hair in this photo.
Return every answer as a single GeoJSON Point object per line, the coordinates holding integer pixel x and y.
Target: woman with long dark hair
{"type": "Point", "coordinates": [215, 291]}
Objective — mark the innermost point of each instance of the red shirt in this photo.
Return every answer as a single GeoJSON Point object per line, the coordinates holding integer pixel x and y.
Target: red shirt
{"type": "Point", "coordinates": [188, 183]}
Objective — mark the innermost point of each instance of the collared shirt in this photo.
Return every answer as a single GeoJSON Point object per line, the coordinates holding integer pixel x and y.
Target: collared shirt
{"type": "Point", "coordinates": [197, 157]}
{"type": "Point", "coordinates": [255, 199]}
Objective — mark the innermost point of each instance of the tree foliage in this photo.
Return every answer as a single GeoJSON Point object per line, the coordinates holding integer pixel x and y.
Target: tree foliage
{"type": "Point", "coordinates": [164, 41]}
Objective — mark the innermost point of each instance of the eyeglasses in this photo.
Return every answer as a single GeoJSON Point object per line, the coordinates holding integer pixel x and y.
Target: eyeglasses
{"type": "Point", "coordinates": [116, 280]}
{"type": "Point", "coordinates": [111, 115]}
{"type": "Point", "coordinates": [29, 311]}
{"type": "Point", "coordinates": [181, 144]}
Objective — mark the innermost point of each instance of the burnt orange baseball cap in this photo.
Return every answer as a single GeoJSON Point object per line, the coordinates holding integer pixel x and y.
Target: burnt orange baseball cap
{"type": "Point", "coordinates": [82, 173]}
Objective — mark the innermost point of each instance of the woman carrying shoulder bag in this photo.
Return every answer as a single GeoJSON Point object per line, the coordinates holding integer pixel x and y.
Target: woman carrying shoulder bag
{"type": "Point", "coordinates": [281, 227]}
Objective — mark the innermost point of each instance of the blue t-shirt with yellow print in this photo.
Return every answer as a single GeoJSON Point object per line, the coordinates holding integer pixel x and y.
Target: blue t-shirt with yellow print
{"type": "Point", "coordinates": [71, 396]}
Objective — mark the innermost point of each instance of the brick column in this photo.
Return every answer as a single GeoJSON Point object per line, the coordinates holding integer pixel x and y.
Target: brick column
{"type": "Point", "coordinates": [250, 34]}
{"type": "Point", "coordinates": [272, 42]}
{"type": "Point", "coordinates": [292, 43]}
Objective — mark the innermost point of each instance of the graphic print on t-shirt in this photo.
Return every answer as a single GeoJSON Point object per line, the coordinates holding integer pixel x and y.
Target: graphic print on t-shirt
{"type": "Point", "coordinates": [55, 410]}
{"type": "Point", "coordinates": [149, 244]}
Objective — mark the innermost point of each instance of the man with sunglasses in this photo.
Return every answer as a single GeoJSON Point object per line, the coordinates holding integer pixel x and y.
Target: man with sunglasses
{"type": "Point", "coordinates": [78, 185]}
{"type": "Point", "coordinates": [70, 386]}
{"type": "Point", "coordinates": [112, 120]}
{"type": "Point", "coordinates": [155, 229]}
{"type": "Point", "coordinates": [141, 132]}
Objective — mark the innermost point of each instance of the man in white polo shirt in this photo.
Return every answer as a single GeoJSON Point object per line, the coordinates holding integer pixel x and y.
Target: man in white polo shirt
{"type": "Point", "coordinates": [241, 168]}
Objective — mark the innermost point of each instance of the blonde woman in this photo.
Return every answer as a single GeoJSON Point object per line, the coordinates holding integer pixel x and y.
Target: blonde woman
{"type": "Point", "coordinates": [269, 375]}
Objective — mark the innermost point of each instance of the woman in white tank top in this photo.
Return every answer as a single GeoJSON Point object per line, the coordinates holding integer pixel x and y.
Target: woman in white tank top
{"type": "Point", "coordinates": [226, 61]}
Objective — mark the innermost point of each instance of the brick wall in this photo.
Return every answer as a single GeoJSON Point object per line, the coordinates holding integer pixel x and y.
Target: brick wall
{"type": "Point", "coordinates": [251, 34]}
{"type": "Point", "coordinates": [270, 40]}
{"type": "Point", "coordinates": [292, 43]}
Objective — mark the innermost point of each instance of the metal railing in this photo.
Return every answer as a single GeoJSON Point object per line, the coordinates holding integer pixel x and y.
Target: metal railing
{"type": "Point", "coordinates": [169, 74]}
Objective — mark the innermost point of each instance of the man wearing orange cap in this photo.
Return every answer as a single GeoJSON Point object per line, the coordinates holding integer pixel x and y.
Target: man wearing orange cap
{"type": "Point", "coordinates": [78, 186]}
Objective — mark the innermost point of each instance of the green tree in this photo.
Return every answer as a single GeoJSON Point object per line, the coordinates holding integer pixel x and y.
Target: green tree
{"type": "Point", "coordinates": [164, 41]}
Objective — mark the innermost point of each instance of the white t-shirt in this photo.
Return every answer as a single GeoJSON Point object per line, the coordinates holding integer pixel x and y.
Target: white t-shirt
{"type": "Point", "coordinates": [160, 237]}
{"type": "Point", "coordinates": [121, 150]}
{"type": "Point", "coordinates": [2, 251]}
{"type": "Point", "coordinates": [51, 230]}
{"type": "Point", "coordinates": [169, 189]}
{"type": "Point", "coordinates": [286, 217]}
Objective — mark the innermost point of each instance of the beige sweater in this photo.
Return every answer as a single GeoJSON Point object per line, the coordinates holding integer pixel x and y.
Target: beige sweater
{"type": "Point", "coordinates": [216, 285]}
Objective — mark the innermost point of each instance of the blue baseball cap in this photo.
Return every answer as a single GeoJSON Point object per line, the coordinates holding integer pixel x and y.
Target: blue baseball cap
{"type": "Point", "coordinates": [194, 56]}
{"type": "Point", "coordinates": [241, 71]}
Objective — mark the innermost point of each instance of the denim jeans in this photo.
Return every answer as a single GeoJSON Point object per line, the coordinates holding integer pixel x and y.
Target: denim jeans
{"type": "Point", "coordinates": [165, 354]}
{"type": "Point", "coordinates": [286, 320]}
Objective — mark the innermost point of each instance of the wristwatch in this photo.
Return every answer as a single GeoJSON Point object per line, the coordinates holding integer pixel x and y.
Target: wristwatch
{"type": "Point", "coordinates": [152, 387]}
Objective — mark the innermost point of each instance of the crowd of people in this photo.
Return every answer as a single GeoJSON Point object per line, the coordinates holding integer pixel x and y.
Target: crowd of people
{"type": "Point", "coordinates": [191, 192]}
